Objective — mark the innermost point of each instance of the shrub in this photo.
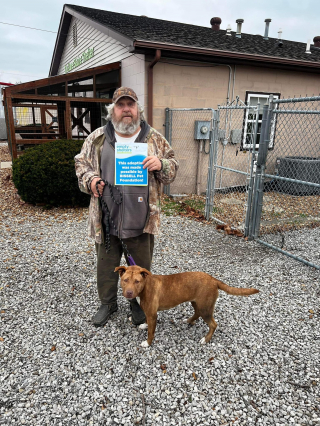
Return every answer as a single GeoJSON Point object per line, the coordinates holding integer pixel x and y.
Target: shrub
{"type": "Point", "coordinates": [46, 174]}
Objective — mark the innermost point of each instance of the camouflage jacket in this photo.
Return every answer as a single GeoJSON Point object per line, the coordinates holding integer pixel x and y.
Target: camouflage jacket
{"type": "Point", "coordinates": [87, 165]}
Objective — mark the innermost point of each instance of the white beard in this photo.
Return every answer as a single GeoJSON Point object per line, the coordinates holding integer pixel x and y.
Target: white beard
{"type": "Point", "coordinates": [126, 128]}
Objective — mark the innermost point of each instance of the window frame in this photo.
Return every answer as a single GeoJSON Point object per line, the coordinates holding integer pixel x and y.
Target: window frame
{"type": "Point", "coordinates": [249, 146]}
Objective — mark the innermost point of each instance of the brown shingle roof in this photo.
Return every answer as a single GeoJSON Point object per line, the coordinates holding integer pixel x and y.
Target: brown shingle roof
{"type": "Point", "coordinates": [168, 32]}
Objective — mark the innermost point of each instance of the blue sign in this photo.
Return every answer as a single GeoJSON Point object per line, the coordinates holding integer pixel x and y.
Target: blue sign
{"type": "Point", "coordinates": [128, 167]}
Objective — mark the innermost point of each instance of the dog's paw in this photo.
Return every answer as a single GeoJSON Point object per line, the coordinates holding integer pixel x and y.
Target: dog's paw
{"type": "Point", "coordinates": [143, 326]}
{"type": "Point", "coordinates": [144, 344]}
{"type": "Point", "coordinates": [203, 341]}
{"type": "Point", "coordinates": [130, 319]}
{"type": "Point", "coordinates": [185, 320]}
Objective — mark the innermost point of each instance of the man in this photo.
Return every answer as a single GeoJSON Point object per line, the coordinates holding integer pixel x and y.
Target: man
{"type": "Point", "coordinates": [135, 211]}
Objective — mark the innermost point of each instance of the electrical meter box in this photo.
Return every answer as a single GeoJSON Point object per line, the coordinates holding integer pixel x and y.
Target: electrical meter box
{"type": "Point", "coordinates": [202, 130]}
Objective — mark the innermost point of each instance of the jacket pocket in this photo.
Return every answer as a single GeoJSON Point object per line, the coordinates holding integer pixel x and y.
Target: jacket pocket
{"type": "Point", "coordinates": [135, 208]}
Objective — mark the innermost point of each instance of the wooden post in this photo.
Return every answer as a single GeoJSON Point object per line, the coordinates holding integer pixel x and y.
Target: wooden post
{"type": "Point", "coordinates": [33, 117]}
{"type": "Point", "coordinates": [12, 129]}
{"type": "Point", "coordinates": [68, 120]}
{"type": "Point", "coordinates": [94, 86]}
{"type": "Point", "coordinates": [43, 119]}
{"type": "Point", "coordinates": [61, 120]}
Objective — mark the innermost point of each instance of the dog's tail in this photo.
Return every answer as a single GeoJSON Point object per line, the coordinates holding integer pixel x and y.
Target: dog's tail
{"type": "Point", "coordinates": [236, 291]}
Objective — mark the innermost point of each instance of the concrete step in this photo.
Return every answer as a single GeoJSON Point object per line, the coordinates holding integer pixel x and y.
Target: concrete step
{"type": "Point", "coordinates": [5, 164]}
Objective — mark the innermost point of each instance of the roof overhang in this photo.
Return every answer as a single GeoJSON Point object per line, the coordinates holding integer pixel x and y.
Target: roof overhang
{"type": "Point", "coordinates": [65, 21]}
{"type": "Point", "coordinates": [214, 55]}
{"type": "Point", "coordinates": [16, 90]}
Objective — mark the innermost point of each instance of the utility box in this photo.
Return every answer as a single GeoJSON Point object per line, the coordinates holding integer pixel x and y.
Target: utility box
{"type": "Point", "coordinates": [236, 135]}
{"type": "Point", "coordinates": [202, 130]}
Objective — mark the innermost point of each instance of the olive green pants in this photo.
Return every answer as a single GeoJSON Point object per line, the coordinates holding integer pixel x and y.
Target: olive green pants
{"type": "Point", "coordinates": [140, 248]}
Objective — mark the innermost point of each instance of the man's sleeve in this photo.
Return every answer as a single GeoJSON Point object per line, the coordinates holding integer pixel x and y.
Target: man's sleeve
{"type": "Point", "coordinates": [170, 164]}
{"type": "Point", "coordinates": [85, 170]}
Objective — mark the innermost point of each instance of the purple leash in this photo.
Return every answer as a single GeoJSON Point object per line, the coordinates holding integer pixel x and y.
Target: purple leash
{"type": "Point", "coordinates": [130, 260]}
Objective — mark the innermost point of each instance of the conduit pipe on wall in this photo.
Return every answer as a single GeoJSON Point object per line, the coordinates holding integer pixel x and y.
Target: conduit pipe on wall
{"type": "Point", "coordinates": [150, 86]}
{"type": "Point", "coordinates": [228, 131]}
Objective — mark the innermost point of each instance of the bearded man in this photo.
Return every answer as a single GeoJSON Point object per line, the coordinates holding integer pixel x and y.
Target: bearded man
{"type": "Point", "coordinates": [134, 210]}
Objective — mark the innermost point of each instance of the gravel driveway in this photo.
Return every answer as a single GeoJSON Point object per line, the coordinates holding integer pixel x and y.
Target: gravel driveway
{"type": "Point", "coordinates": [261, 367]}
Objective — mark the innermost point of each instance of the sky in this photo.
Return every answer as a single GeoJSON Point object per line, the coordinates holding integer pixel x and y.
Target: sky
{"type": "Point", "coordinates": [26, 54]}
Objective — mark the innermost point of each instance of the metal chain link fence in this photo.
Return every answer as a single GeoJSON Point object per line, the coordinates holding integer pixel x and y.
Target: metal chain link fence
{"type": "Point", "coordinates": [291, 188]}
{"type": "Point", "coordinates": [234, 152]}
{"type": "Point", "coordinates": [188, 132]}
{"type": "Point", "coordinates": [257, 164]}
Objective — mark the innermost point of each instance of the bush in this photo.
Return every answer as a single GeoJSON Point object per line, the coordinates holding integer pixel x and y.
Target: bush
{"type": "Point", "coordinates": [46, 174]}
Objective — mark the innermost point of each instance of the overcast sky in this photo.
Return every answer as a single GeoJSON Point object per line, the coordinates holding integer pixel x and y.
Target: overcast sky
{"type": "Point", "coordinates": [26, 54]}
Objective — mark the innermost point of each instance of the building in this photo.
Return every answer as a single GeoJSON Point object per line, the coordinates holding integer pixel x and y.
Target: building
{"type": "Point", "coordinates": [171, 64]}
{"type": "Point", "coordinates": [168, 64]}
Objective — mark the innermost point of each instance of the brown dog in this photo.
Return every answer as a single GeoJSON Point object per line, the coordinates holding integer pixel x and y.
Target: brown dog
{"type": "Point", "coordinates": [162, 292]}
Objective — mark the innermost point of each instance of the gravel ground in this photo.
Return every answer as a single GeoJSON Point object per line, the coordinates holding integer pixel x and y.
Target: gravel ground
{"type": "Point", "coordinates": [261, 367]}
{"type": "Point", "coordinates": [4, 152]}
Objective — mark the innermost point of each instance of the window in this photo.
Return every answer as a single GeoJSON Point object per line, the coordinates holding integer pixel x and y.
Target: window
{"type": "Point", "coordinates": [74, 35]}
{"type": "Point", "coordinates": [253, 99]}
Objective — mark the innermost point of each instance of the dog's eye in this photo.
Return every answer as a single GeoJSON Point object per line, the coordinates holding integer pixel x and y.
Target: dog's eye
{"type": "Point", "coordinates": [126, 280]}
{"type": "Point", "coordinates": [136, 281]}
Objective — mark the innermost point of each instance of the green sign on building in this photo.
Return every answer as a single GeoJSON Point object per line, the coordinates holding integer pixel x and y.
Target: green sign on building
{"type": "Point", "coordinates": [86, 55]}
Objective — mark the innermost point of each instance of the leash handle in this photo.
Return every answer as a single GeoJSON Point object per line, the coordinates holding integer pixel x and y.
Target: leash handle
{"type": "Point", "coordinates": [130, 259]}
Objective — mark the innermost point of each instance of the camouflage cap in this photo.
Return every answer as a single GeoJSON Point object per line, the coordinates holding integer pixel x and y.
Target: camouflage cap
{"type": "Point", "coordinates": [122, 92]}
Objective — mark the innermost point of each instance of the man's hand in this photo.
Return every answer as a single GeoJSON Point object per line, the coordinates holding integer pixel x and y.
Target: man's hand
{"type": "Point", "coordinates": [152, 163]}
{"type": "Point", "coordinates": [93, 186]}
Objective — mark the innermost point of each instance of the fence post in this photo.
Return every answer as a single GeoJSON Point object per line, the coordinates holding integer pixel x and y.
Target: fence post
{"type": "Point", "coordinates": [166, 188]}
{"type": "Point", "coordinates": [211, 179]}
{"type": "Point", "coordinates": [252, 175]}
{"type": "Point", "coordinates": [261, 165]}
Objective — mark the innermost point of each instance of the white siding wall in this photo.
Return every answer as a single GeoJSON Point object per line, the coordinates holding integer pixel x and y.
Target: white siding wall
{"type": "Point", "coordinates": [133, 75]}
{"type": "Point", "coordinates": [106, 51]}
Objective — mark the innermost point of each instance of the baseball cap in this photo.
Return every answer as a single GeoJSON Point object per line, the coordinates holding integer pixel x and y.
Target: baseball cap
{"type": "Point", "coordinates": [121, 92]}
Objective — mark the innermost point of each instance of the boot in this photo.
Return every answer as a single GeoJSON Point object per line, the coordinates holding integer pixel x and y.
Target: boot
{"type": "Point", "coordinates": [104, 313]}
{"type": "Point", "coordinates": [138, 316]}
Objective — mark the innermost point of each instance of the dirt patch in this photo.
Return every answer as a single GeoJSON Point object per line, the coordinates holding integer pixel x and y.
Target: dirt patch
{"type": "Point", "coordinates": [5, 153]}
{"type": "Point", "coordinates": [12, 204]}
{"type": "Point", "coordinates": [280, 212]}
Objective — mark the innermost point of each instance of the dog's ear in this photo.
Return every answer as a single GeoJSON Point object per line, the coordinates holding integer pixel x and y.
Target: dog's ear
{"type": "Point", "coordinates": [121, 270]}
{"type": "Point", "coordinates": [144, 272]}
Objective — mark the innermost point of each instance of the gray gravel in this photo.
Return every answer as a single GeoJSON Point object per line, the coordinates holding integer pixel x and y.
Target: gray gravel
{"type": "Point", "coordinates": [261, 367]}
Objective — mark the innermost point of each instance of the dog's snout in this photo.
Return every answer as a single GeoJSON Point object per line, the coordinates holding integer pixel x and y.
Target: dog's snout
{"type": "Point", "coordinates": [129, 294]}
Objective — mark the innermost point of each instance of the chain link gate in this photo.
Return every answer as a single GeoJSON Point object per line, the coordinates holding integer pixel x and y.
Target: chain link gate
{"type": "Point", "coordinates": [189, 132]}
{"type": "Point", "coordinates": [236, 132]}
{"type": "Point", "coordinates": [287, 194]}
{"type": "Point", "coordinates": [259, 166]}
{"type": "Point", "coordinates": [266, 174]}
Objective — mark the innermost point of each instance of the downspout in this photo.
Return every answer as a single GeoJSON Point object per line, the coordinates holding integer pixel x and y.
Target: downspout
{"type": "Point", "coordinates": [150, 86]}
{"type": "Point", "coordinates": [226, 117]}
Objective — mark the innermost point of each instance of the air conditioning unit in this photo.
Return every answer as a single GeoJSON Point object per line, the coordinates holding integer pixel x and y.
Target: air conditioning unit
{"type": "Point", "coordinates": [300, 168]}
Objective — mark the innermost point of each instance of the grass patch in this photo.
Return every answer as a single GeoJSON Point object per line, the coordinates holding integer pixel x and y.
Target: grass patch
{"type": "Point", "coordinates": [170, 207]}
{"type": "Point", "coordinates": [197, 204]}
